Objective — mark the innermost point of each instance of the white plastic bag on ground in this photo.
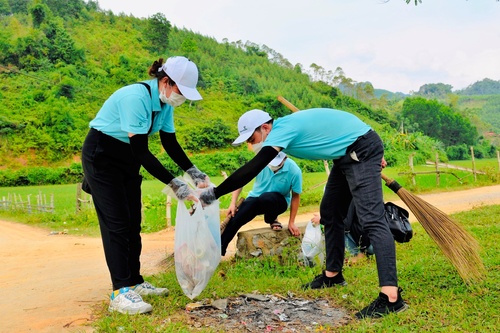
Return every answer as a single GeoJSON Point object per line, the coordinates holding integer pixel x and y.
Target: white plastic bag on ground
{"type": "Point", "coordinates": [197, 247]}
{"type": "Point", "coordinates": [313, 243]}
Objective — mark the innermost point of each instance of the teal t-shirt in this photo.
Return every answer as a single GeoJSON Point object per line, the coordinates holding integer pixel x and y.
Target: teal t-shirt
{"type": "Point", "coordinates": [316, 134]}
{"type": "Point", "coordinates": [129, 110]}
{"type": "Point", "coordinates": [284, 181]}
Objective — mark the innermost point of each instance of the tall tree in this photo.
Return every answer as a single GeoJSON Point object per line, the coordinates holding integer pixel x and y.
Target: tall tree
{"type": "Point", "coordinates": [157, 33]}
{"type": "Point", "coordinates": [39, 13]}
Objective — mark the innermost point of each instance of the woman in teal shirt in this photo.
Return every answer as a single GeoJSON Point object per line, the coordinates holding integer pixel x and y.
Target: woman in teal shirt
{"type": "Point", "coordinates": [113, 152]}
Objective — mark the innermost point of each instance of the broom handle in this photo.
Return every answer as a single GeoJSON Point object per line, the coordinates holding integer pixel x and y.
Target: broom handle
{"type": "Point", "coordinates": [286, 103]}
{"type": "Point", "coordinates": [386, 179]}
{"type": "Point", "coordinates": [226, 220]}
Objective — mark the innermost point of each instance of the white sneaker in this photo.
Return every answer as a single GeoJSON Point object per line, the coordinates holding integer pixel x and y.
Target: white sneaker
{"type": "Point", "coordinates": [128, 301]}
{"type": "Point", "coordinates": [147, 288]}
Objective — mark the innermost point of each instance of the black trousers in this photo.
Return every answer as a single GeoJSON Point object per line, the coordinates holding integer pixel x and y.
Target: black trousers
{"type": "Point", "coordinates": [271, 204]}
{"type": "Point", "coordinates": [357, 176]}
{"type": "Point", "coordinates": [114, 180]}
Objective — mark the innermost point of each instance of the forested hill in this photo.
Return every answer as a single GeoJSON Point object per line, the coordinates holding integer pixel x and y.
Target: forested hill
{"type": "Point", "coordinates": [60, 60]}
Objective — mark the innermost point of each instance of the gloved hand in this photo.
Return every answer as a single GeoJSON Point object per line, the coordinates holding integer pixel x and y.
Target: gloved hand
{"type": "Point", "coordinates": [200, 179]}
{"type": "Point", "coordinates": [207, 196]}
{"type": "Point", "coordinates": [182, 190]}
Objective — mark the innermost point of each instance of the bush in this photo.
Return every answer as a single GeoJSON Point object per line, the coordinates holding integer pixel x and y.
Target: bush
{"type": "Point", "coordinates": [42, 176]}
{"type": "Point", "coordinates": [458, 152]}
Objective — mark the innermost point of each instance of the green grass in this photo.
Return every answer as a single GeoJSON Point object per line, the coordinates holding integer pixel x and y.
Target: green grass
{"type": "Point", "coordinates": [154, 201]}
{"type": "Point", "coordinates": [439, 300]}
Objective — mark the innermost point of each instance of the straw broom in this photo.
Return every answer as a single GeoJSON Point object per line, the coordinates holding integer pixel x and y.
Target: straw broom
{"type": "Point", "coordinates": [458, 246]}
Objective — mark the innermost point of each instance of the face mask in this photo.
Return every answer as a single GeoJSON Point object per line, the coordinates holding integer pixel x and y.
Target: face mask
{"type": "Point", "coordinates": [275, 168]}
{"type": "Point", "coordinates": [174, 100]}
{"type": "Point", "coordinates": [257, 147]}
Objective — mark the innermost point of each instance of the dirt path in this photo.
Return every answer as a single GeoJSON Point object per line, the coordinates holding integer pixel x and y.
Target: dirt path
{"type": "Point", "coordinates": [49, 282]}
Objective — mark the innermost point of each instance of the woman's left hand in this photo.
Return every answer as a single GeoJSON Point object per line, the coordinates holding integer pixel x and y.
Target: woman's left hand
{"type": "Point", "coordinates": [200, 179]}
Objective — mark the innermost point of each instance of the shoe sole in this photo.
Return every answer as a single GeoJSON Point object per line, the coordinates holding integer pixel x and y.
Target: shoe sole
{"type": "Point", "coordinates": [131, 312]}
{"type": "Point", "coordinates": [324, 286]}
{"type": "Point", "coordinates": [378, 315]}
{"type": "Point", "coordinates": [152, 293]}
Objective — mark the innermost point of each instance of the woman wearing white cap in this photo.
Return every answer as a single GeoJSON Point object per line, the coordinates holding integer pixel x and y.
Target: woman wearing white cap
{"type": "Point", "coordinates": [357, 153]}
{"type": "Point", "coordinates": [113, 152]}
{"type": "Point", "coordinates": [275, 189]}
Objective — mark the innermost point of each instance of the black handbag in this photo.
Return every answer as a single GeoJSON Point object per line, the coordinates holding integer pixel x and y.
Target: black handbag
{"type": "Point", "coordinates": [399, 224]}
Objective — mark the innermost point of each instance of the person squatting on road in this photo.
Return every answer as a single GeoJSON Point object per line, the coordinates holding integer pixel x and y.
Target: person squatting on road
{"type": "Point", "coordinates": [113, 152]}
{"type": "Point", "coordinates": [276, 187]}
{"type": "Point", "coordinates": [357, 153]}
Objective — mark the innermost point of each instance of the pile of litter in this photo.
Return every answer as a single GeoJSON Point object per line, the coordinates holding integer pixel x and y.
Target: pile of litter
{"type": "Point", "coordinates": [265, 313]}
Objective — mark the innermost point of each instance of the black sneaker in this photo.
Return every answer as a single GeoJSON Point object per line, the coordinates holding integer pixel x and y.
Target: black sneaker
{"type": "Point", "coordinates": [381, 307]}
{"type": "Point", "coordinates": [322, 281]}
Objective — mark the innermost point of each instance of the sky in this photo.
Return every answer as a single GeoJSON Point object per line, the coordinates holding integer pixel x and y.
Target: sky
{"type": "Point", "coordinates": [394, 45]}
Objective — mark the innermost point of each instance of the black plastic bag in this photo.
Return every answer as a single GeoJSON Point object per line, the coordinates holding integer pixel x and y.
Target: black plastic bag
{"type": "Point", "coordinates": [396, 217]}
{"type": "Point", "coordinates": [399, 224]}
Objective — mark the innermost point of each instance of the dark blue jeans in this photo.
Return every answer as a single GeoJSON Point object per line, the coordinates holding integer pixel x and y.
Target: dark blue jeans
{"type": "Point", "coordinates": [356, 176]}
{"type": "Point", "coordinates": [271, 204]}
{"type": "Point", "coordinates": [114, 179]}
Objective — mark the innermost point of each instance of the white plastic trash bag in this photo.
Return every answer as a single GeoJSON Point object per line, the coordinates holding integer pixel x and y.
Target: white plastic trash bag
{"type": "Point", "coordinates": [197, 249]}
{"type": "Point", "coordinates": [313, 243]}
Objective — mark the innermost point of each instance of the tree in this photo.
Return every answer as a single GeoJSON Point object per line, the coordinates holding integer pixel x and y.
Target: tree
{"type": "Point", "coordinates": [61, 46]}
{"type": "Point", "coordinates": [189, 46]}
{"type": "Point", "coordinates": [19, 6]}
{"type": "Point", "coordinates": [439, 121]}
{"type": "Point", "coordinates": [157, 33]}
{"type": "Point", "coordinates": [66, 8]}
{"type": "Point", "coordinates": [5, 7]}
{"type": "Point", "coordinates": [39, 13]}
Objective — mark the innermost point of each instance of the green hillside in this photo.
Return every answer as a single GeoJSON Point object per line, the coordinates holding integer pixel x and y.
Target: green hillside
{"type": "Point", "coordinates": [56, 74]}
{"type": "Point", "coordinates": [60, 60]}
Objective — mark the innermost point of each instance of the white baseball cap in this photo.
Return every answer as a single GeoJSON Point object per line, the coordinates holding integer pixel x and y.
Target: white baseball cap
{"type": "Point", "coordinates": [278, 159]}
{"type": "Point", "coordinates": [185, 74]}
{"type": "Point", "coordinates": [248, 122]}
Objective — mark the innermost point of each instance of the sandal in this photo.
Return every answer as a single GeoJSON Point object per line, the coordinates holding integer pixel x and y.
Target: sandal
{"type": "Point", "coordinates": [276, 226]}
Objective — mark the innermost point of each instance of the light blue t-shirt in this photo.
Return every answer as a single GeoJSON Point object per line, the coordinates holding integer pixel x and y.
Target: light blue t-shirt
{"type": "Point", "coordinates": [284, 181]}
{"type": "Point", "coordinates": [316, 134]}
{"type": "Point", "coordinates": [129, 110]}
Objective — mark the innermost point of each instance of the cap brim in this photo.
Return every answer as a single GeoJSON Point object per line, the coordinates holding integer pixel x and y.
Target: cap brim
{"type": "Point", "coordinates": [242, 138]}
{"type": "Point", "coordinates": [278, 159]}
{"type": "Point", "coordinates": [190, 93]}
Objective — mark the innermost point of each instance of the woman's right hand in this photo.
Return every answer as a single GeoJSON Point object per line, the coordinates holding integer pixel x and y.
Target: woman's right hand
{"type": "Point", "coordinates": [182, 190]}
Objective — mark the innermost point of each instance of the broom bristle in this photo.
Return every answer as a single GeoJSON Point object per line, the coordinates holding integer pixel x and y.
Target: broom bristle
{"type": "Point", "coordinates": [456, 243]}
